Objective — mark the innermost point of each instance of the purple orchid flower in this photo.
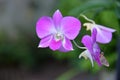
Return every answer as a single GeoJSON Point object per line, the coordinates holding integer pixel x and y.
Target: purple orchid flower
{"type": "Point", "coordinates": [92, 48]}
{"type": "Point", "coordinates": [104, 34]}
{"type": "Point", "coordinates": [56, 32]}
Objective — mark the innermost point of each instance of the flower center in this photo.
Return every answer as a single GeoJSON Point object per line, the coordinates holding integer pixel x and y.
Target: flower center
{"type": "Point", "coordinates": [58, 36]}
{"type": "Point", "coordinates": [88, 25]}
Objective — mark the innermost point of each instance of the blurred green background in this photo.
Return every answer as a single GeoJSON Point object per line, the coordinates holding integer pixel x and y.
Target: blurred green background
{"type": "Point", "coordinates": [19, 42]}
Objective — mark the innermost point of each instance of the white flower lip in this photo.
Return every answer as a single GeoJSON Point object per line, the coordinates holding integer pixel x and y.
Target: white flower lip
{"type": "Point", "coordinates": [86, 54]}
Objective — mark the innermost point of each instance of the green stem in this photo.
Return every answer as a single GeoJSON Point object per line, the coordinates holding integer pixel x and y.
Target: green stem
{"type": "Point", "coordinates": [78, 45]}
{"type": "Point", "coordinates": [90, 20]}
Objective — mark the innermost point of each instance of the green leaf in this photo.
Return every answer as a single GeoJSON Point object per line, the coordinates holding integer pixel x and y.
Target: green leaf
{"type": "Point", "coordinates": [91, 4]}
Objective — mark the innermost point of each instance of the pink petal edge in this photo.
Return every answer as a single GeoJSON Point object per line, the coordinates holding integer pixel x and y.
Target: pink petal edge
{"type": "Point", "coordinates": [105, 28]}
{"type": "Point", "coordinates": [103, 36]}
{"type": "Point", "coordinates": [57, 17]}
{"type": "Point", "coordinates": [44, 27]}
{"type": "Point", "coordinates": [70, 27]}
{"type": "Point", "coordinates": [67, 44]}
{"type": "Point", "coordinates": [87, 41]}
{"type": "Point", "coordinates": [45, 41]}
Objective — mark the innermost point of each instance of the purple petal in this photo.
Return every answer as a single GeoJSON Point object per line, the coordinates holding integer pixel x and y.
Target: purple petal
{"type": "Point", "coordinates": [44, 27]}
{"type": "Point", "coordinates": [87, 41]}
{"type": "Point", "coordinates": [94, 33]}
{"type": "Point", "coordinates": [57, 16]}
{"type": "Point", "coordinates": [96, 53]}
{"type": "Point", "coordinates": [105, 28]}
{"type": "Point", "coordinates": [103, 36]}
{"type": "Point", "coordinates": [55, 45]}
{"type": "Point", "coordinates": [96, 48]}
{"type": "Point", "coordinates": [70, 27]}
{"type": "Point", "coordinates": [45, 41]}
{"type": "Point", "coordinates": [67, 44]}
{"type": "Point", "coordinates": [92, 47]}
{"type": "Point", "coordinates": [97, 59]}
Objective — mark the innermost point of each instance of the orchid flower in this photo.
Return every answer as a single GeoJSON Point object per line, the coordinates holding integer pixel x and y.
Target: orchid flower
{"type": "Point", "coordinates": [56, 32]}
{"type": "Point", "coordinates": [104, 34]}
{"type": "Point", "coordinates": [92, 48]}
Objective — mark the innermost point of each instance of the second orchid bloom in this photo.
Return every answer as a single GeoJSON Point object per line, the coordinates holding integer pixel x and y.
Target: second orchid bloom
{"type": "Point", "coordinates": [99, 34]}
{"type": "Point", "coordinates": [93, 51]}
